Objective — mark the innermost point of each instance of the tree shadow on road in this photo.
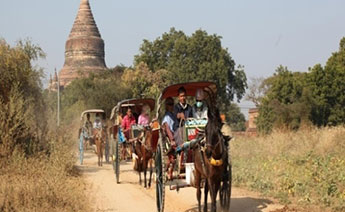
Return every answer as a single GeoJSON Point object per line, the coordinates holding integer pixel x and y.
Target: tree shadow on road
{"type": "Point", "coordinates": [240, 204]}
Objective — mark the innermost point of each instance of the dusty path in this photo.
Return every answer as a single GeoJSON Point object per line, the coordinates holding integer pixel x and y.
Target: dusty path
{"type": "Point", "coordinates": [129, 196]}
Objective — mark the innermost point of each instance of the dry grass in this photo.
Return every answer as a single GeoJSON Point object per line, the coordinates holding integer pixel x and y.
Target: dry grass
{"type": "Point", "coordinates": [45, 182]}
{"type": "Point", "coordinates": [305, 167]}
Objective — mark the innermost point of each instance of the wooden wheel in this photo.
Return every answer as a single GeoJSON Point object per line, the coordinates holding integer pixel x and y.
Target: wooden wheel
{"type": "Point", "coordinates": [160, 176]}
{"type": "Point", "coordinates": [117, 161]}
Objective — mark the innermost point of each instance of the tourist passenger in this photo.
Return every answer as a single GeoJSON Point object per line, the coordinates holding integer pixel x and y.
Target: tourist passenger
{"type": "Point", "coordinates": [127, 123]}
{"type": "Point", "coordinates": [97, 124]}
{"type": "Point", "coordinates": [144, 118]}
{"type": "Point", "coordinates": [168, 124]}
{"type": "Point", "coordinates": [200, 108]}
{"type": "Point", "coordinates": [169, 120]}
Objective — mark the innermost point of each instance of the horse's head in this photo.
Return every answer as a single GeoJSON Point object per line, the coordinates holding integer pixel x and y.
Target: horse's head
{"type": "Point", "coordinates": [214, 137]}
{"type": "Point", "coordinates": [99, 134]}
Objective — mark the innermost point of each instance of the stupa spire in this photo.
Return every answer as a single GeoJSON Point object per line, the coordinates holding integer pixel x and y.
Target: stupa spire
{"type": "Point", "coordinates": [84, 48]}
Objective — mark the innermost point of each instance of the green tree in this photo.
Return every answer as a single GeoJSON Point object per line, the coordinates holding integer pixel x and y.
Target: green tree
{"type": "Point", "coordinates": [199, 57]}
{"type": "Point", "coordinates": [102, 90]}
{"type": "Point", "coordinates": [328, 86]}
{"type": "Point", "coordinates": [236, 118]}
{"type": "Point", "coordinates": [143, 82]}
{"type": "Point", "coordinates": [287, 102]}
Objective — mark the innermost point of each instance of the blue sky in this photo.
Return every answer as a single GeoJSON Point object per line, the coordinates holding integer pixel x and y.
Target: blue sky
{"type": "Point", "coordinates": [260, 35]}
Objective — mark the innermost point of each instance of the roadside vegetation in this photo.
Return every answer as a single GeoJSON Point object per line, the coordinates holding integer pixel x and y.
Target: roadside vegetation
{"type": "Point", "coordinates": [37, 170]}
{"type": "Point", "coordinates": [304, 167]}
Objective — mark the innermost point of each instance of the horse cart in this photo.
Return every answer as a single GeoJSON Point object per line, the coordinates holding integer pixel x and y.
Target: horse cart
{"type": "Point", "coordinates": [86, 130]}
{"type": "Point", "coordinates": [203, 160]}
{"type": "Point", "coordinates": [136, 137]}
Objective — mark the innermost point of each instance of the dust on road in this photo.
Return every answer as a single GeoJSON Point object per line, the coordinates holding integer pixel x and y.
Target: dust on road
{"type": "Point", "coordinates": [129, 196]}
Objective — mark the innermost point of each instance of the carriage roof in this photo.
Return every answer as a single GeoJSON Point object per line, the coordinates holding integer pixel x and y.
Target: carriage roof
{"type": "Point", "coordinates": [191, 88]}
{"type": "Point", "coordinates": [91, 111]}
{"type": "Point", "coordinates": [131, 103]}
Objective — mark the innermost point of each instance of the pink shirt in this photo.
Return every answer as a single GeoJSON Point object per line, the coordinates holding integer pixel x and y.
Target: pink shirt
{"type": "Point", "coordinates": [144, 120]}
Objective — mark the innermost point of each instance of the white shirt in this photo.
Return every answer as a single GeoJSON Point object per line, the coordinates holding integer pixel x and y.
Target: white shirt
{"type": "Point", "coordinates": [97, 124]}
{"type": "Point", "coordinates": [167, 119]}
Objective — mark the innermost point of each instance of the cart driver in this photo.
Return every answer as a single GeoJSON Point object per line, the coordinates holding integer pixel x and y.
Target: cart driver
{"type": "Point", "coordinates": [200, 107]}
{"type": "Point", "coordinates": [182, 109]}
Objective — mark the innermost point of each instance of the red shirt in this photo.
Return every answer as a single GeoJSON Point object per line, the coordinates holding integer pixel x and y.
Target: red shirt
{"type": "Point", "coordinates": [127, 122]}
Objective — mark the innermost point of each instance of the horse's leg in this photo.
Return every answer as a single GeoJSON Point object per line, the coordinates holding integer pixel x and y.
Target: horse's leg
{"type": "Point", "coordinates": [139, 170]}
{"type": "Point", "coordinates": [151, 170]}
{"type": "Point", "coordinates": [102, 147]}
{"type": "Point", "coordinates": [213, 190]}
{"type": "Point", "coordinates": [145, 169]}
{"type": "Point", "coordinates": [205, 195]}
{"type": "Point", "coordinates": [198, 189]}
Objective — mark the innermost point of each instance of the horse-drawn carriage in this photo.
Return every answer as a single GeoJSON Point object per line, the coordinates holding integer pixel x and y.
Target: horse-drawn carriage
{"type": "Point", "coordinates": [87, 132]}
{"type": "Point", "coordinates": [136, 138]}
{"type": "Point", "coordinates": [207, 152]}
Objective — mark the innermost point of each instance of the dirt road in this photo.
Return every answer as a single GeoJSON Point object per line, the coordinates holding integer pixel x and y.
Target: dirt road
{"type": "Point", "coordinates": [129, 196]}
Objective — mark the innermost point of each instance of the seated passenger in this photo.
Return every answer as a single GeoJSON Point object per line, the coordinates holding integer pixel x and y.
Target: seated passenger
{"type": "Point", "coordinates": [168, 124]}
{"type": "Point", "coordinates": [144, 118]}
{"type": "Point", "coordinates": [97, 124]}
{"type": "Point", "coordinates": [200, 107]}
{"type": "Point", "coordinates": [169, 121]}
{"type": "Point", "coordinates": [182, 110]}
{"type": "Point", "coordinates": [88, 125]}
{"type": "Point", "coordinates": [127, 123]}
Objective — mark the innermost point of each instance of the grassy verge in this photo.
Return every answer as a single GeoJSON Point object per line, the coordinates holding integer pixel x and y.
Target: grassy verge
{"type": "Point", "coordinates": [44, 182]}
{"type": "Point", "coordinates": [305, 167]}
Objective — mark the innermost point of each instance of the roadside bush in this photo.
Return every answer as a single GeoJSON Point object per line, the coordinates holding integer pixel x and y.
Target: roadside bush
{"type": "Point", "coordinates": [46, 182]}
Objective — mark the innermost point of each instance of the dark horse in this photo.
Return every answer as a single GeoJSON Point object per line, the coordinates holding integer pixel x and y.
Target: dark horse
{"type": "Point", "coordinates": [143, 148]}
{"type": "Point", "coordinates": [210, 159]}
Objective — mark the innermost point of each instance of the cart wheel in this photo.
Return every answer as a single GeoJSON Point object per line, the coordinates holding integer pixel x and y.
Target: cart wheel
{"type": "Point", "coordinates": [81, 149]}
{"type": "Point", "coordinates": [160, 177]}
{"type": "Point", "coordinates": [117, 161]}
{"type": "Point", "coordinates": [225, 190]}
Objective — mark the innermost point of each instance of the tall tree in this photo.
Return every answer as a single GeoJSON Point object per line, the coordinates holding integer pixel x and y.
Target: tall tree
{"type": "Point", "coordinates": [328, 86]}
{"type": "Point", "coordinates": [199, 57]}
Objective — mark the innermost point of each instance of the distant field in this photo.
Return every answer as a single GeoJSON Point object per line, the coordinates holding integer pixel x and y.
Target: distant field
{"type": "Point", "coordinates": [305, 167]}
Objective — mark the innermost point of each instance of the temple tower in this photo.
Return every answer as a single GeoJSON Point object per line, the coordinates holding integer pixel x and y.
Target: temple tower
{"type": "Point", "coordinates": [84, 50]}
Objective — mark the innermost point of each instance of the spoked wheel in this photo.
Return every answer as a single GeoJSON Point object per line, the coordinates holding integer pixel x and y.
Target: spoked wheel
{"type": "Point", "coordinates": [160, 177]}
{"type": "Point", "coordinates": [81, 149]}
{"type": "Point", "coordinates": [225, 190]}
{"type": "Point", "coordinates": [117, 161]}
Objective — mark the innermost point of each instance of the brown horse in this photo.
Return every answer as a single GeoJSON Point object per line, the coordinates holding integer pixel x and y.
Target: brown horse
{"type": "Point", "coordinates": [143, 148]}
{"type": "Point", "coordinates": [99, 138]}
{"type": "Point", "coordinates": [210, 159]}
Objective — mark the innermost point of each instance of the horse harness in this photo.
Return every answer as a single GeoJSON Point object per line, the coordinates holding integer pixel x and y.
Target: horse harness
{"type": "Point", "coordinates": [202, 146]}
